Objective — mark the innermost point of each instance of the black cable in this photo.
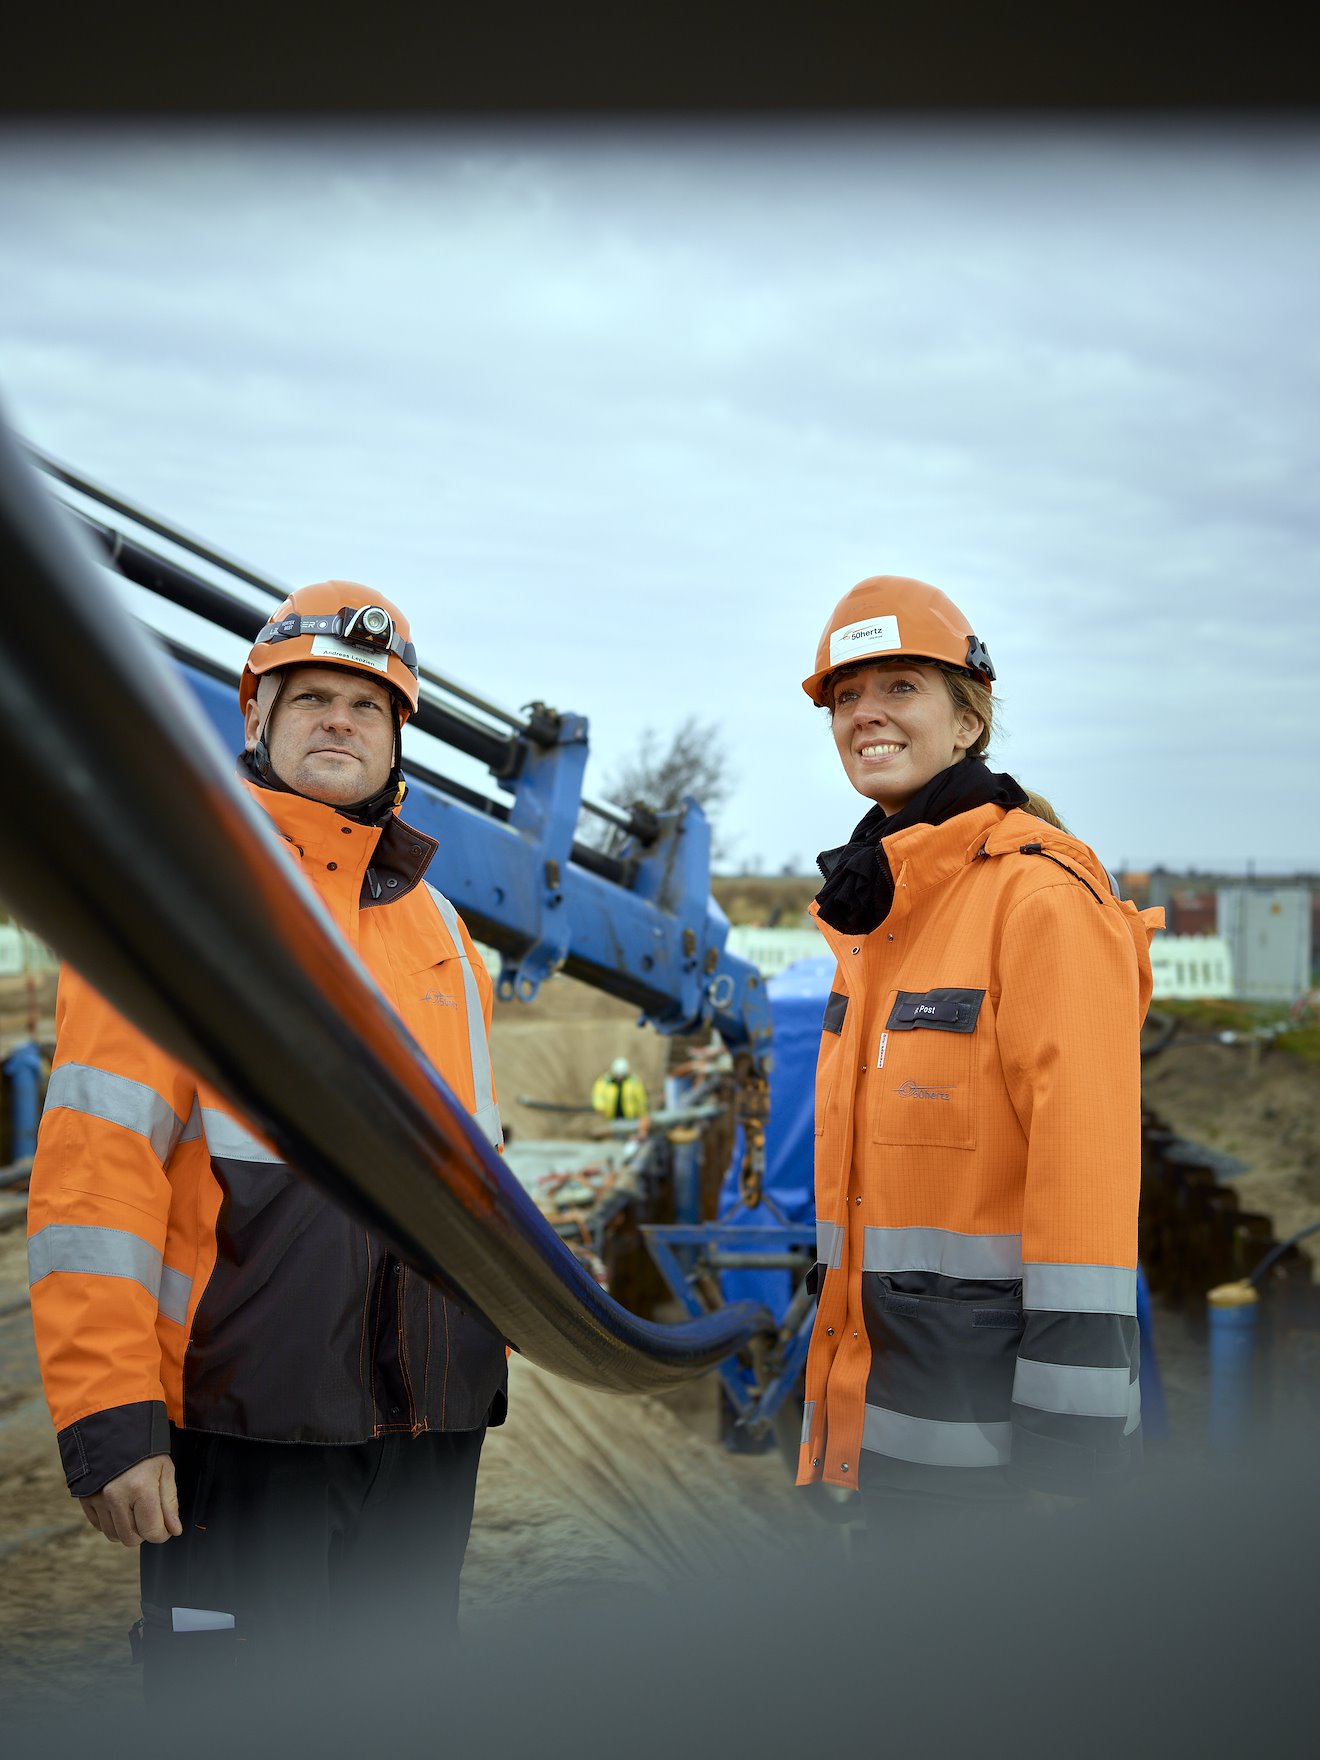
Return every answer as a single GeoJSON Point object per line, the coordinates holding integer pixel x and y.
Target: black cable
{"type": "Point", "coordinates": [1276, 1253]}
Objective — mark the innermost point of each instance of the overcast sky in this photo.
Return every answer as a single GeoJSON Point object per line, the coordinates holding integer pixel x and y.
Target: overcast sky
{"type": "Point", "coordinates": [617, 416]}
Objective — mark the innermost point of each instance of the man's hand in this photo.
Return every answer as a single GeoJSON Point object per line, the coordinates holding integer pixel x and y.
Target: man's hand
{"type": "Point", "coordinates": [141, 1504]}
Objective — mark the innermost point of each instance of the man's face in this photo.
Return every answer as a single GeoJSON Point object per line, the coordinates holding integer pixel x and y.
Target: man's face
{"type": "Point", "coordinates": [331, 737]}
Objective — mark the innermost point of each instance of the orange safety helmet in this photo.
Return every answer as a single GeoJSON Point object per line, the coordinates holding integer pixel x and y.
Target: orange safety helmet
{"type": "Point", "coordinates": [890, 617]}
{"type": "Point", "coordinates": [336, 623]}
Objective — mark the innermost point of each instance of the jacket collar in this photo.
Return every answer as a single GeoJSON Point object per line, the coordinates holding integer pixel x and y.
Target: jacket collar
{"type": "Point", "coordinates": [397, 854]}
{"type": "Point", "coordinates": [929, 854]}
{"type": "Point", "coordinates": [926, 855]}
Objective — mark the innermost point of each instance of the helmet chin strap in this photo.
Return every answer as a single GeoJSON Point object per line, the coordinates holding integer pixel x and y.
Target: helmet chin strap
{"type": "Point", "coordinates": [259, 756]}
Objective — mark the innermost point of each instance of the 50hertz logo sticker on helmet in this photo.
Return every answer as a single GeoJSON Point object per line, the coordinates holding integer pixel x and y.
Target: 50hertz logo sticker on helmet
{"type": "Point", "coordinates": [874, 635]}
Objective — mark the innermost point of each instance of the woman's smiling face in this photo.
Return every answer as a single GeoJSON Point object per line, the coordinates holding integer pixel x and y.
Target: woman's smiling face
{"type": "Point", "coordinates": [896, 726]}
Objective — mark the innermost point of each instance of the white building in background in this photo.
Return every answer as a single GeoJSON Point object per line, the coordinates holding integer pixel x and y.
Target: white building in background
{"type": "Point", "coordinates": [1183, 965]}
{"type": "Point", "coordinates": [770, 950]}
{"type": "Point", "coordinates": [1191, 966]}
{"type": "Point", "coordinates": [1268, 932]}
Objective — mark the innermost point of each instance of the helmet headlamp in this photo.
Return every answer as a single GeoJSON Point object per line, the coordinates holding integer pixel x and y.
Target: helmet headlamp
{"type": "Point", "coordinates": [370, 626]}
{"type": "Point", "coordinates": [362, 626]}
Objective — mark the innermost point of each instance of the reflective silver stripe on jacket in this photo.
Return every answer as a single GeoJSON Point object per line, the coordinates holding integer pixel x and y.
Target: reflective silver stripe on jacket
{"type": "Point", "coordinates": [944, 1252]}
{"type": "Point", "coordinates": [175, 1291]}
{"type": "Point", "coordinates": [1134, 1408]}
{"type": "Point", "coordinates": [829, 1243]}
{"type": "Point", "coordinates": [935, 1443]}
{"type": "Point", "coordinates": [79, 1087]}
{"type": "Point", "coordinates": [484, 1111]}
{"type": "Point", "coordinates": [808, 1413]}
{"type": "Point", "coordinates": [1075, 1392]}
{"type": "Point", "coordinates": [1080, 1289]}
{"type": "Point", "coordinates": [109, 1252]}
{"type": "Point", "coordinates": [227, 1140]}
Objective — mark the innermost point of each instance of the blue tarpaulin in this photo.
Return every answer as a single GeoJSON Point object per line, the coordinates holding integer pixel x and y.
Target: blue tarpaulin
{"type": "Point", "coordinates": [797, 1008]}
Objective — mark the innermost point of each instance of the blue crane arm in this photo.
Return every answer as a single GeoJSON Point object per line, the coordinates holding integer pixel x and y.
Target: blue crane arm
{"type": "Point", "coordinates": [639, 923]}
{"type": "Point", "coordinates": [652, 936]}
{"type": "Point", "coordinates": [132, 850]}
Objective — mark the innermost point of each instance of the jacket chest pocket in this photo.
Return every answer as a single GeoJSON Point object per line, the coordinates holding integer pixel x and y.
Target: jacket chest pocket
{"type": "Point", "coordinates": [925, 1069]}
{"type": "Point", "coordinates": [428, 990]}
{"type": "Point", "coordinates": [434, 1004]}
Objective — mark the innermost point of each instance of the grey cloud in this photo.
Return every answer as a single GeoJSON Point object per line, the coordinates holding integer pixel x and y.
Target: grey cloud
{"type": "Point", "coordinates": [671, 394]}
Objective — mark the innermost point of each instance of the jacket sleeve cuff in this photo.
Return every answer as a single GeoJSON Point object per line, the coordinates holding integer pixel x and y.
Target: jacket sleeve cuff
{"type": "Point", "coordinates": [98, 1448]}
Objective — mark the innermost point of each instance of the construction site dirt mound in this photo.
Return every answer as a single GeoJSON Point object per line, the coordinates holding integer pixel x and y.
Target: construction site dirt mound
{"type": "Point", "coordinates": [1259, 1104]}
{"type": "Point", "coordinates": [552, 1050]}
{"type": "Point", "coordinates": [579, 1488]}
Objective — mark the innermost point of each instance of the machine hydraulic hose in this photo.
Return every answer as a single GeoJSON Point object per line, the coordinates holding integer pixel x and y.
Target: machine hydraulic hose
{"type": "Point", "coordinates": [132, 849]}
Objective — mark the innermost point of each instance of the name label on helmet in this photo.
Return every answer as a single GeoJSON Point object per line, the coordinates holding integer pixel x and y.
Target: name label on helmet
{"type": "Point", "coordinates": [875, 635]}
{"type": "Point", "coordinates": [334, 649]}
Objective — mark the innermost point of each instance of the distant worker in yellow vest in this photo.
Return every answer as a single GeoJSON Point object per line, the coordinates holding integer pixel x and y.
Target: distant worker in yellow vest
{"type": "Point", "coordinates": [617, 1093]}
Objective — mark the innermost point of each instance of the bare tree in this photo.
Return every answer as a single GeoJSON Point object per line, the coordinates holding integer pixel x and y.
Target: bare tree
{"type": "Point", "coordinates": [660, 773]}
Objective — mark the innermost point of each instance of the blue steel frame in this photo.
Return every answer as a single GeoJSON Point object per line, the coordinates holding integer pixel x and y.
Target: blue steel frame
{"type": "Point", "coordinates": [755, 1405]}
{"type": "Point", "coordinates": [659, 943]}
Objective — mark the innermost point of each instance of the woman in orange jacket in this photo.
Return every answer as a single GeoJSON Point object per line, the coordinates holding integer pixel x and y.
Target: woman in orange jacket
{"type": "Point", "coordinates": [977, 1097]}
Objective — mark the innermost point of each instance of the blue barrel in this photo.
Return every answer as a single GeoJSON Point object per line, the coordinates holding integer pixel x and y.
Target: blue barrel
{"type": "Point", "coordinates": [1232, 1309]}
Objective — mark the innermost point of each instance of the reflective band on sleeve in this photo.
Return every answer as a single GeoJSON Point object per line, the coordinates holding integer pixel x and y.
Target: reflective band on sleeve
{"type": "Point", "coordinates": [175, 1291]}
{"type": "Point", "coordinates": [944, 1252]}
{"type": "Point", "coordinates": [109, 1252]}
{"type": "Point", "coordinates": [99, 1252]}
{"type": "Point", "coordinates": [829, 1243]}
{"type": "Point", "coordinates": [1080, 1289]}
{"type": "Point", "coordinates": [1078, 1393]}
{"type": "Point", "coordinates": [484, 1111]}
{"type": "Point", "coordinates": [99, 1093]}
{"type": "Point", "coordinates": [1134, 1408]}
{"type": "Point", "coordinates": [808, 1413]}
{"type": "Point", "coordinates": [934, 1443]}
{"type": "Point", "coordinates": [193, 1126]}
{"type": "Point", "coordinates": [226, 1139]}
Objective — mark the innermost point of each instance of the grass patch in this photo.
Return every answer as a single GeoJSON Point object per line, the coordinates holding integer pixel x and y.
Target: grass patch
{"type": "Point", "coordinates": [1303, 1041]}
{"type": "Point", "coordinates": [1228, 1014]}
{"type": "Point", "coordinates": [1221, 1014]}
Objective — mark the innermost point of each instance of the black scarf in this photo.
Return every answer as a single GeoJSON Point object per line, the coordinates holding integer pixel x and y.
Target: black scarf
{"type": "Point", "coordinates": [859, 887]}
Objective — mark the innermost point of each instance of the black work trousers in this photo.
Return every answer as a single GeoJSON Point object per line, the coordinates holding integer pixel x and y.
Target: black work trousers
{"type": "Point", "coordinates": [298, 1555]}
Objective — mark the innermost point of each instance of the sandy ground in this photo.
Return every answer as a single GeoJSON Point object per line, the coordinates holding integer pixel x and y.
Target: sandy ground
{"type": "Point", "coordinates": [554, 1048]}
{"type": "Point", "coordinates": [579, 1488]}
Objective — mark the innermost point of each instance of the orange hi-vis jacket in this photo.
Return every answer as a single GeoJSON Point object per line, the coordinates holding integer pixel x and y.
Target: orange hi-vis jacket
{"type": "Point", "coordinates": [179, 1269]}
{"type": "Point", "coordinates": [978, 1168]}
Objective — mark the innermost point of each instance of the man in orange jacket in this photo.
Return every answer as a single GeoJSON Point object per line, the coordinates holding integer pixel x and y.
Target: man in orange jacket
{"type": "Point", "coordinates": [240, 1374]}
